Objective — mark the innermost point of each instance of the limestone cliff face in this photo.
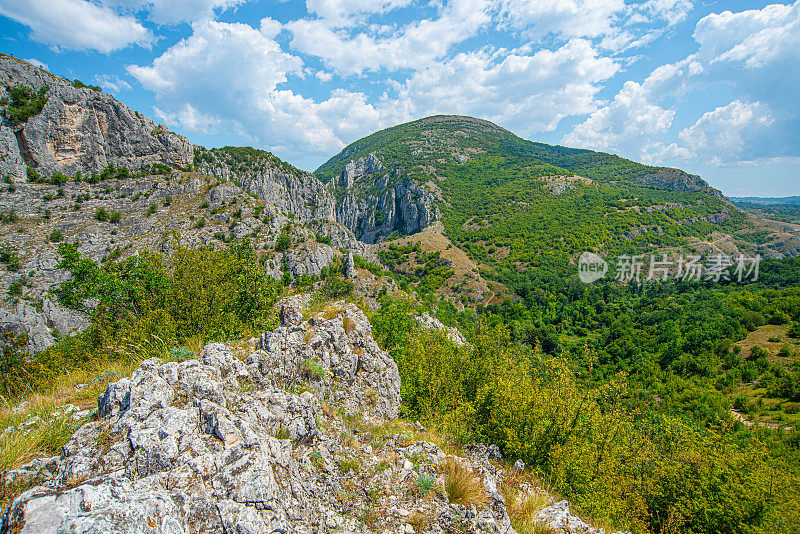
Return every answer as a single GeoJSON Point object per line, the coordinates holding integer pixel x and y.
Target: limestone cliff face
{"type": "Point", "coordinates": [80, 129]}
{"type": "Point", "coordinates": [366, 198]}
{"type": "Point", "coordinates": [376, 202]}
{"type": "Point", "coordinates": [287, 189]}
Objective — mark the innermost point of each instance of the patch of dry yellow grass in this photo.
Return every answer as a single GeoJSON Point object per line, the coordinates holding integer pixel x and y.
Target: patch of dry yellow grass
{"type": "Point", "coordinates": [461, 485]}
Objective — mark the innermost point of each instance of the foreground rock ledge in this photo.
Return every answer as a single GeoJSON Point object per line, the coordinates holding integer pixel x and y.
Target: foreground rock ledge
{"type": "Point", "coordinates": [225, 444]}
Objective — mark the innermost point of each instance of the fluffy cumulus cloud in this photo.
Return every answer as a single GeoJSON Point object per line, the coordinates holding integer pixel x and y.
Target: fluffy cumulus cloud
{"type": "Point", "coordinates": [624, 125]}
{"type": "Point", "coordinates": [753, 56]}
{"type": "Point", "coordinates": [728, 133]}
{"type": "Point", "coordinates": [77, 24]}
{"type": "Point", "coordinates": [228, 78]}
{"type": "Point", "coordinates": [416, 45]}
{"type": "Point", "coordinates": [527, 92]}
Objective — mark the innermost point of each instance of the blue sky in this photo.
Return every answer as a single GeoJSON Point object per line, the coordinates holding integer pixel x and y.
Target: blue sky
{"type": "Point", "coordinates": [709, 87]}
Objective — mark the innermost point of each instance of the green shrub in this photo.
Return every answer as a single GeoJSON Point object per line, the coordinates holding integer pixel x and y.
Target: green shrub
{"type": "Point", "coordinates": [424, 483]}
{"type": "Point", "coordinates": [56, 236]}
{"type": "Point", "coordinates": [283, 243]}
{"type": "Point", "coordinates": [24, 103]}
{"type": "Point", "coordinates": [15, 289]}
{"type": "Point", "coordinates": [312, 370]}
{"type": "Point", "coordinates": [33, 174]}
{"type": "Point", "coordinates": [114, 217]}
{"type": "Point", "coordinates": [200, 223]}
{"type": "Point", "coordinates": [58, 178]}
{"type": "Point", "coordinates": [101, 214]}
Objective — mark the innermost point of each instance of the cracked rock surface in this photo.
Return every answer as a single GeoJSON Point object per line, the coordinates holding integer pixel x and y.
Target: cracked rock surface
{"type": "Point", "coordinates": [295, 431]}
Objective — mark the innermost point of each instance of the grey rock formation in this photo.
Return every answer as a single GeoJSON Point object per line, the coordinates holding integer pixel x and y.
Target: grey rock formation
{"type": "Point", "coordinates": [350, 266]}
{"type": "Point", "coordinates": [331, 351]}
{"type": "Point", "coordinates": [377, 203]}
{"type": "Point", "coordinates": [80, 129]}
{"type": "Point", "coordinates": [366, 198]}
{"type": "Point", "coordinates": [432, 323]}
{"type": "Point", "coordinates": [284, 188]}
{"type": "Point", "coordinates": [356, 169]}
{"type": "Point", "coordinates": [309, 259]}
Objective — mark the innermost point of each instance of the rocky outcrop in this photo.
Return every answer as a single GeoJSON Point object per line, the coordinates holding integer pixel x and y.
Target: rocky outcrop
{"type": "Point", "coordinates": [80, 129]}
{"type": "Point", "coordinates": [284, 188]}
{"type": "Point", "coordinates": [309, 259]}
{"type": "Point", "coordinates": [366, 198]}
{"type": "Point", "coordinates": [358, 168]}
{"type": "Point", "coordinates": [429, 322]}
{"type": "Point", "coordinates": [376, 203]}
{"type": "Point", "coordinates": [679, 180]}
{"type": "Point", "coordinates": [293, 434]}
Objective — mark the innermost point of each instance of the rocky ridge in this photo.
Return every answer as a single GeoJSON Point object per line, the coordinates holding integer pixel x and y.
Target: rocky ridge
{"type": "Point", "coordinates": [366, 198]}
{"type": "Point", "coordinates": [294, 432]}
{"type": "Point", "coordinates": [79, 129]}
{"type": "Point", "coordinates": [157, 213]}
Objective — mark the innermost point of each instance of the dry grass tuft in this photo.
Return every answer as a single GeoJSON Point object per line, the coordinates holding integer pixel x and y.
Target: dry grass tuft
{"type": "Point", "coordinates": [419, 521]}
{"type": "Point", "coordinates": [523, 510]}
{"type": "Point", "coordinates": [461, 485]}
{"type": "Point", "coordinates": [348, 324]}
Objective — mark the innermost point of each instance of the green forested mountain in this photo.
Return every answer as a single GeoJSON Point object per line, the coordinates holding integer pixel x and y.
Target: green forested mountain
{"type": "Point", "coordinates": [534, 202]}
{"type": "Point", "coordinates": [682, 363]}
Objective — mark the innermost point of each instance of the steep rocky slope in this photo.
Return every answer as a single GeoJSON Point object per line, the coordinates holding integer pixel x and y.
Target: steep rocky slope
{"type": "Point", "coordinates": [79, 129]}
{"type": "Point", "coordinates": [367, 198]}
{"type": "Point", "coordinates": [294, 432]}
{"type": "Point", "coordinates": [157, 213]}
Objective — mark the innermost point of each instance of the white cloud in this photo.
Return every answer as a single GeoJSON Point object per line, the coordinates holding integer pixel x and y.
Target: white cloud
{"type": "Point", "coordinates": [670, 11]}
{"type": "Point", "coordinates": [613, 22]}
{"type": "Point", "coordinates": [529, 93]}
{"type": "Point", "coordinates": [624, 125]}
{"type": "Point", "coordinates": [343, 11]}
{"type": "Point", "coordinates": [189, 119]}
{"type": "Point", "coordinates": [414, 46]}
{"type": "Point", "coordinates": [570, 18]}
{"type": "Point", "coordinates": [111, 83]}
{"type": "Point", "coordinates": [227, 78]}
{"type": "Point", "coordinates": [36, 63]}
{"type": "Point", "coordinates": [727, 134]}
{"type": "Point", "coordinates": [175, 11]}
{"type": "Point", "coordinates": [76, 24]}
{"type": "Point", "coordinates": [754, 37]}
{"type": "Point", "coordinates": [753, 56]}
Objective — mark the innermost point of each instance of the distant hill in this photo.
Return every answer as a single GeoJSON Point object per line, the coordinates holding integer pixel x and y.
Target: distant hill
{"type": "Point", "coordinates": [767, 200]}
{"type": "Point", "coordinates": [782, 209]}
{"type": "Point", "coordinates": [513, 204]}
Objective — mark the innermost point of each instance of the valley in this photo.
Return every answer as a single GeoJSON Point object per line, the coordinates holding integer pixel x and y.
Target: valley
{"type": "Point", "coordinates": [427, 272]}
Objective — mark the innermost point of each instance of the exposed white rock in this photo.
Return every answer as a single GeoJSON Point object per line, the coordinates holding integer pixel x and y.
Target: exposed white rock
{"type": "Point", "coordinates": [426, 320]}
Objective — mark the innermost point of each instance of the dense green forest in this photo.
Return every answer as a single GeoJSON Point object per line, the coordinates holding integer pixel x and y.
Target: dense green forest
{"type": "Point", "coordinates": [648, 460]}
{"type": "Point", "coordinates": [621, 395]}
{"type": "Point", "coordinates": [779, 211]}
{"type": "Point", "coordinates": [628, 398]}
